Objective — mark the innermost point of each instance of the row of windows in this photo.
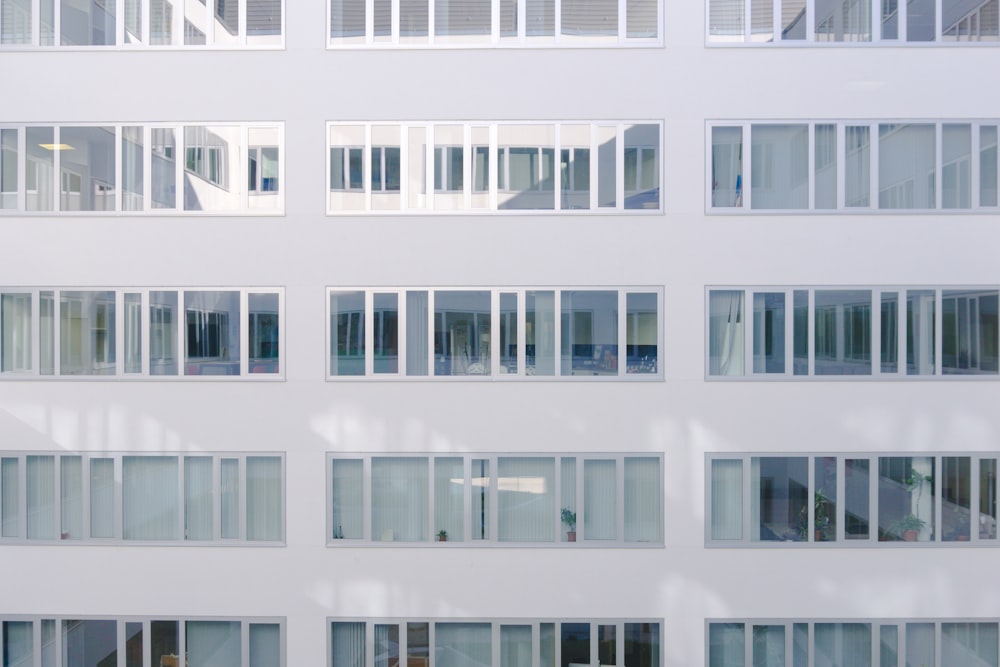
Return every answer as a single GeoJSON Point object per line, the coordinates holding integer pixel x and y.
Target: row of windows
{"type": "Point", "coordinates": [855, 166]}
{"type": "Point", "coordinates": [135, 641]}
{"type": "Point", "coordinates": [855, 642]}
{"type": "Point", "coordinates": [817, 332]}
{"type": "Point", "coordinates": [141, 333]}
{"type": "Point", "coordinates": [485, 167]}
{"type": "Point", "coordinates": [101, 498]}
{"type": "Point", "coordinates": [889, 22]}
{"type": "Point", "coordinates": [155, 169]}
{"type": "Point", "coordinates": [851, 500]}
{"type": "Point", "coordinates": [495, 333]}
{"type": "Point", "coordinates": [506, 643]}
{"type": "Point", "coordinates": [489, 499]}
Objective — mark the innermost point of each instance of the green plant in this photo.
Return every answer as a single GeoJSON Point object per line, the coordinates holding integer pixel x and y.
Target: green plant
{"type": "Point", "coordinates": [442, 536]}
{"type": "Point", "coordinates": [568, 518]}
{"type": "Point", "coordinates": [907, 523]}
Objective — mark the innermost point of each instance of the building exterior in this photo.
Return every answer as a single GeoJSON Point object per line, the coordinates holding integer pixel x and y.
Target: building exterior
{"type": "Point", "coordinates": [514, 333]}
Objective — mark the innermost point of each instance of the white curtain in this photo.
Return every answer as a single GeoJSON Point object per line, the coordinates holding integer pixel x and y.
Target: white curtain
{"type": "Point", "coordinates": [386, 645]}
{"type": "Point", "coordinates": [844, 644]}
{"type": "Point", "coordinates": [15, 331]}
{"type": "Point", "coordinates": [41, 481]}
{"type": "Point", "coordinates": [18, 648]}
{"type": "Point", "coordinates": [920, 329]}
{"type": "Point", "coordinates": [526, 499]}
{"type": "Point", "coordinates": [449, 497]}
{"type": "Point", "coordinates": [779, 170]}
{"type": "Point", "coordinates": [768, 646]}
{"type": "Point", "coordinates": [347, 644]}
{"type": "Point", "coordinates": [102, 497]}
{"type": "Point", "coordinates": [198, 498]}
{"type": "Point", "coordinates": [969, 644]}
{"type": "Point", "coordinates": [515, 645]}
{"type": "Point", "coordinates": [213, 643]}
{"type": "Point", "coordinates": [265, 645]}
{"type": "Point", "coordinates": [399, 499]}
{"type": "Point", "coordinates": [642, 499]}
{"type": "Point", "coordinates": [906, 166]}
{"type": "Point", "coordinates": [347, 480]}
{"type": "Point", "coordinates": [9, 496]}
{"type": "Point", "coordinates": [600, 506]}
{"type": "Point", "coordinates": [567, 491]}
{"type": "Point", "coordinates": [727, 499]}
{"type": "Point", "coordinates": [463, 645]}
{"type": "Point", "coordinates": [230, 498]}
{"type": "Point", "coordinates": [264, 498]}
{"type": "Point", "coordinates": [725, 333]}
{"type": "Point", "coordinates": [726, 645]}
{"type": "Point", "coordinates": [71, 497]}
{"type": "Point", "coordinates": [416, 333]}
{"type": "Point", "coordinates": [150, 503]}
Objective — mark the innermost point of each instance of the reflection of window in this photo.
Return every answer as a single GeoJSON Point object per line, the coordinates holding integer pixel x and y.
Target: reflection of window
{"type": "Point", "coordinates": [525, 169]}
{"type": "Point", "coordinates": [207, 333]}
{"type": "Point", "coordinates": [205, 155]}
{"type": "Point", "coordinates": [385, 169]}
{"type": "Point", "coordinates": [263, 169]}
{"type": "Point", "coordinates": [161, 333]}
{"type": "Point", "coordinates": [263, 335]}
{"type": "Point", "coordinates": [574, 165]}
{"type": "Point", "coordinates": [345, 168]}
{"type": "Point", "coordinates": [448, 165]}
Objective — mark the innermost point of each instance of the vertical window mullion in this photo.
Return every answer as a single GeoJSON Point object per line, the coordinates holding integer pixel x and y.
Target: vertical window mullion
{"type": "Point", "coordinates": [22, 497]}
{"type": "Point", "coordinates": [901, 339]}
{"type": "Point", "coordinates": [467, 159]}
{"type": "Point", "coordinates": [181, 500]}
{"type": "Point", "coordinates": [810, 332]}
{"type": "Point", "coordinates": [622, 28]}
{"type": "Point", "coordinates": [536, 639]}
{"type": "Point", "coordinates": [431, 32]}
{"type": "Point", "coordinates": [594, 639]}
{"type": "Point", "coordinates": [431, 492]}
{"type": "Point", "coordinates": [557, 29]}
{"type": "Point", "coordinates": [841, 515]}
{"type": "Point", "coordinates": [56, 25]}
{"type": "Point", "coordinates": [36, 332]}
{"type": "Point", "coordinates": [620, 499]}
{"type": "Point", "coordinates": [495, 351]}
{"type": "Point", "coordinates": [394, 5]}
{"type": "Point", "coordinates": [85, 508]}
{"type": "Point", "coordinates": [57, 496]}
{"type": "Point", "coordinates": [493, 169]}
{"type": "Point", "coordinates": [494, 496]}
{"type": "Point", "coordinates": [244, 625]}
{"type": "Point", "coordinates": [789, 333]}
{"type": "Point", "coordinates": [581, 508]}
{"type": "Point", "coordinates": [119, 495]}
{"type": "Point", "coordinates": [120, 641]}
{"type": "Point", "coordinates": [119, 184]}
{"type": "Point", "coordinates": [747, 499]}
{"type": "Point", "coordinates": [876, 333]}
{"type": "Point", "coordinates": [557, 168]}
{"type": "Point", "coordinates": [467, 498]}
{"type": "Point", "coordinates": [144, 39]}
{"type": "Point", "coordinates": [147, 138]}
{"type": "Point", "coordinates": [369, 22]}
{"type": "Point", "coordinates": [242, 26]}
{"type": "Point", "coordinates": [746, 177]}
{"type": "Point", "coordinates": [872, 499]}
{"type": "Point", "coordinates": [811, 37]}
{"type": "Point", "coordinates": [495, 27]}
{"type": "Point", "coordinates": [593, 161]}
{"type": "Point", "coordinates": [241, 177]}
{"type": "Point", "coordinates": [147, 644]}
{"type": "Point", "coordinates": [841, 157]}
{"type": "Point", "coordinates": [747, 22]}
{"type": "Point", "coordinates": [430, 153]}
{"type": "Point", "coordinates": [36, 32]}
{"type": "Point", "coordinates": [810, 494]}
{"type": "Point", "coordinates": [522, 20]}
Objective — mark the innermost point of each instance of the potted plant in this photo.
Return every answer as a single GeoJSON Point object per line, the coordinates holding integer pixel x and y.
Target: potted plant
{"type": "Point", "coordinates": [569, 518]}
{"type": "Point", "coordinates": [442, 536]}
{"type": "Point", "coordinates": [908, 527]}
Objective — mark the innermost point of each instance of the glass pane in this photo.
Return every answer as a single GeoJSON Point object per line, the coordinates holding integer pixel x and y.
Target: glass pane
{"type": "Point", "coordinates": [87, 163]}
{"type": "Point", "coordinates": [264, 496]}
{"type": "Point", "coordinates": [347, 481]}
{"type": "Point", "coordinates": [449, 498]}
{"type": "Point", "coordinates": [463, 644]}
{"type": "Point", "coordinates": [824, 160]}
{"type": "Point", "coordinates": [461, 17]}
{"type": "Point", "coordinates": [842, 320]}
{"type": "Point", "coordinates": [906, 490]}
{"type": "Point", "coordinates": [843, 22]}
{"type": "Point", "coordinates": [265, 645]}
{"type": "Point", "coordinates": [642, 499]}
{"type": "Point", "coordinates": [641, 333]}
{"type": "Point", "coordinates": [71, 497]}
{"type": "Point", "coordinates": [857, 165]}
{"type": "Point", "coordinates": [87, 23]}
{"type": "Point", "coordinates": [574, 167]}
{"type": "Point", "coordinates": [386, 332]}
{"type": "Point", "coordinates": [41, 497]}
{"type": "Point", "coordinates": [449, 165]}
{"type": "Point", "coordinates": [480, 499]}
{"type": "Point", "coordinates": [768, 646]}
{"type": "Point", "coordinates": [48, 642]}
{"type": "Point", "coordinates": [727, 161]}
{"type": "Point", "coordinates": [89, 643]}
{"type": "Point", "coordinates": [956, 163]}
{"type": "Point", "coordinates": [508, 333]}
{"type": "Point", "coordinates": [727, 499]}
{"type": "Point", "coordinates": [133, 644]}
{"type": "Point", "coordinates": [725, 20]}
{"type": "Point", "coordinates": [988, 165]}
{"type": "Point", "coordinates": [198, 498]}
{"type": "Point", "coordinates": [102, 497]}
{"type": "Point", "coordinates": [988, 499]}
{"type": "Point", "coordinates": [589, 333]}
{"type": "Point", "coordinates": [906, 166]}
{"type": "Point", "coordinates": [462, 333]}
{"type": "Point", "coordinates": [413, 19]}
{"type": "Point", "coordinates": [642, 163]}
{"type": "Point", "coordinates": [761, 21]}
{"type": "Point", "coordinates": [526, 499]}
{"type": "Point", "coordinates": [640, 18]}
{"type": "Point", "coordinates": [606, 642]}
{"type": "Point", "coordinates": [779, 166]}
{"type": "Point", "coordinates": [567, 479]}
{"type": "Point", "coordinates": [40, 168]}
{"type": "Point", "coordinates": [600, 500]}
{"type": "Point", "coordinates": [212, 643]}
{"type": "Point", "coordinates": [857, 504]}
{"type": "Point", "coordinates": [800, 645]}
{"type": "Point", "coordinates": [9, 498]}
{"type": "Point", "coordinates": [212, 333]}
{"type": "Point", "coordinates": [920, 329]}
{"type": "Point", "coordinates": [843, 644]}
{"type": "Point", "coordinates": [399, 499]}
{"type": "Point", "coordinates": [212, 156]}
{"type": "Point", "coordinates": [889, 646]}
{"type": "Point", "coordinates": [87, 333]}
{"type": "Point", "coordinates": [347, 645]}
{"type": "Point", "coordinates": [726, 645]}
{"type": "Point", "coordinates": [164, 640]}
{"type": "Point", "coordinates": [582, 18]}
{"type": "Point", "coordinates": [515, 645]}
{"type": "Point", "coordinates": [347, 333]}
{"type": "Point", "coordinates": [921, 23]}
{"type": "Point", "coordinates": [150, 502]}
{"type": "Point", "coordinates": [547, 644]}
{"type": "Point", "coordinates": [15, 19]}
{"type": "Point", "coordinates": [15, 332]}
{"type": "Point", "coordinates": [8, 137]}
{"type": "Point", "coordinates": [525, 170]}
{"type": "Point", "coordinates": [417, 645]}
{"type": "Point", "coordinates": [540, 333]}
{"type": "Point", "coordinates": [969, 332]}
{"type": "Point", "coordinates": [164, 156]}
{"type": "Point", "coordinates": [969, 644]}
{"type": "Point", "coordinates": [725, 332]}
{"type": "Point", "coordinates": [18, 644]}
{"type": "Point", "coordinates": [133, 332]}
{"type": "Point", "coordinates": [779, 498]}
{"type": "Point", "coordinates": [768, 332]}
{"type": "Point", "coordinates": [347, 18]}
{"type": "Point", "coordinates": [163, 334]}
{"type": "Point", "coordinates": [607, 165]}
{"type": "Point", "coordinates": [956, 500]}
{"type": "Point", "coordinates": [265, 329]}
{"type": "Point", "coordinates": [890, 332]}
{"type": "Point", "coordinates": [825, 499]}
{"type": "Point", "coordinates": [229, 492]}
{"type": "Point", "coordinates": [919, 644]}
{"type": "Point", "coordinates": [263, 26]}
{"type": "Point", "coordinates": [800, 332]}
{"type": "Point", "coordinates": [575, 644]}
{"type": "Point", "coordinates": [642, 644]}
{"type": "Point", "coordinates": [417, 314]}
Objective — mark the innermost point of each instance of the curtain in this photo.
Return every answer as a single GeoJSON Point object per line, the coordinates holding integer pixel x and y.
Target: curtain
{"type": "Point", "coordinates": [906, 166]}
{"type": "Point", "coordinates": [642, 499]}
{"type": "Point", "coordinates": [480, 499]}
{"type": "Point", "coordinates": [264, 510]}
{"type": "Point", "coordinates": [540, 334]}
{"type": "Point", "coordinates": [133, 333]}
{"type": "Point", "coordinates": [600, 507]}
{"type": "Point", "coordinates": [9, 495]}
{"type": "Point", "coordinates": [515, 645]}
{"type": "Point", "coordinates": [18, 647]}
{"type": "Point", "coordinates": [347, 644]}
{"type": "Point", "coordinates": [449, 497]}
{"type": "Point", "coordinates": [567, 474]}
{"type": "Point", "coordinates": [102, 497]}
{"type": "Point", "coordinates": [463, 645]}
{"type": "Point", "coordinates": [768, 646]}
{"type": "Point", "coordinates": [41, 482]}
{"type": "Point", "coordinates": [399, 499]}
{"type": "Point", "coordinates": [526, 499]}
{"type": "Point", "coordinates": [213, 643]}
{"type": "Point", "coordinates": [230, 498]}
{"type": "Point", "coordinates": [71, 497]}
{"type": "Point", "coordinates": [265, 645]}
{"type": "Point", "coordinates": [725, 645]}
{"type": "Point", "coordinates": [969, 644]}
{"type": "Point", "coordinates": [727, 499]}
{"type": "Point", "coordinates": [844, 644]}
{"type": "Point", "coordinates": [347, 481]}
{"type": "Point", "coordinates": [589, 17]}
{"type": "Point", "coordinates": [386, 645]}
{"type": "Point", "coordinates": [725, 332]}
{"type": "Point", "coordinates": [198, 497]}
{"type": "Point", "coordinates": [15, 330]}
{"type": "Point", "coordinates": [779, 166]}
{"type": "Point", "coordinates": [920, 644]}
{"type": "Point", "coordinates": [150, 503]}
{"type": "Point", "coordinates": [462, 17]}
{"type": "Point", "coordinates": [416, 333]}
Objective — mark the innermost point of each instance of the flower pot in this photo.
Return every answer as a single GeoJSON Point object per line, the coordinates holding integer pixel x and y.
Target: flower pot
{"type": "Point", "coordinates": [571, 536]}
{"type": "Point", "coordinates": [909, 536]}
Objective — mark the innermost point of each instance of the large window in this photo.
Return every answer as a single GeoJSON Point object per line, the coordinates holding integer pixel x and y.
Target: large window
{"type": "Point", "coordinates": [128, 24]}
{"type": "Point", "coordinates": [141, 333]}
{"type": "Point", "coordinates": [136, 641]}
{"type": "Point", "coordinates": [135, 169]}
{"type": "Point", "coordinates": [489, 499]}
{"type": "Point", "coordinates": [492, 23]}
{"type": "Point", "coordinates": [818, 22]}
{"type": "Point", "coordinates": [858, 643]}
{"type": "Point", "coordinates": [192, 498]}
{"type": "Point", "coordinates": [488, 167]}
{"type": "Point", "coordinates": [851, 499]}
{"type": "Point", "coordinates": [853, 166]}
{"type": "Point", "coordinates": [495, 333]}
{"type": "Point", "coordinates": [876, 332]}
{"type": "Point", "coordinates": [484, 642]}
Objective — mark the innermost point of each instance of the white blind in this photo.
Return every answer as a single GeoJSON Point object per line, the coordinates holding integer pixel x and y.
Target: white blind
{"type": "Point", "coordinates": [463, 645]}
{"type": "Point", "coordinates": [264, 498]}
{"type": "Point", "coordinates": [590, 17]}
{"type": "Point", "coordinates": [41, 477]}
{"type": "Point", "coordinates": [727, 499]}
{"type": "Point", "coordinates": [198, 498]}
{"type": "Point", "coordinates": [71, 497]}
{"type": "Point", "coordinates": [462, 17]}
{"type": "Point", "coordinates": [347, 480]}
{"type": "Point", "coordinates": [213, 643]}
{"type": "Point", "coordinates": [150, 503]}
{"type": "Point", "coordinates": [265, 645]}
{"type": "Point", "coordinates": [526, 499]}
{"type": "Point", "coordinates": [399, 499]}
{"type": "Point", "coordinates": [347, 644]}
{"type": "Point", "coordinates": [449, 497]}
{"type": "Point", "coordinates": [642, 499]}
{"type": "Point", "coordinates": [599, 500]}
{"type": "Point", "coordinates": [102, 497]}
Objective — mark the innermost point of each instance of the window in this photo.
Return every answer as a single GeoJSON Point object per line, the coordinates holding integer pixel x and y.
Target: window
{"type": "Point", "coordinates": [133, 169]}
{"type": "Point", "coordinates": [491, 167]}
{"type": "Point", "coordinates": [491, 23]}
{"type": "Point", "coordinates": [918, 166]}
{"type": "Point", "coordinates": [496, 499]}
{"type": "Point", "coordinates": [167, 24]}
{"type": "Point", "coordinates": [442, 642]}
{"type": "Point", "coordinates": [140, 498]}
{"type": "Point", "coordinates": [79, 333]}
{"type": "Point", "coordinates": [856, 642]}
{"type": "Point", "coordinates": [879, 332]}
{"type": "Point", "coordinates": [421, 332]}
{"type": "Point", "coordinates": [851, 499]}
